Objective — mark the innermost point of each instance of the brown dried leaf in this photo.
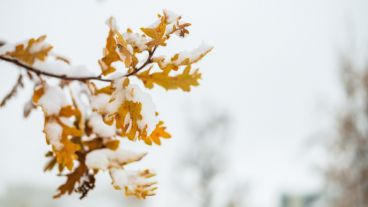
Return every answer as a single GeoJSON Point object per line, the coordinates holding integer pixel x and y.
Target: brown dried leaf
{"type": "Point", "coordinates": [74, 178]}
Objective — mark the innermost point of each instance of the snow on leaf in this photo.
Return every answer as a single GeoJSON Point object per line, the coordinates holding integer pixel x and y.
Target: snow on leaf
{"type": "Point", "coordinates": [133, 110]}
{"type": "Point", "coordinates": [129, 112]}
{"type": "Point", "coordinates": [59, 134]}
{"type": "Point", "coordinates": [137, 41]}
{"type": "Point", "coordinates": [193, 56]}
{"type": "Point", "coordinates": [133, 124]}
{"type": "Point", "coordinates": [50, 98]}
{"type": "Point", "coordinates": [103, 159]}
{"type": "Point", "coordinates": [34, 49]}
{"type": "Point", "coordinates": [116, 49]}
{"type": "Point", "coordinates": [184, 58]}
{"type": "Point", "coordinates": [134, 183]}
{"type": "Point", "coordinates": [157, 34]}
{"type": "Point", "coordinates": [100, 127]}
{"type": "Point", "coordinates": [53, 132]}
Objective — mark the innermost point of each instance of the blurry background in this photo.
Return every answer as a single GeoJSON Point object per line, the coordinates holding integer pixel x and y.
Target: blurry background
{"type": "Point", "coordinates": [258, 130]}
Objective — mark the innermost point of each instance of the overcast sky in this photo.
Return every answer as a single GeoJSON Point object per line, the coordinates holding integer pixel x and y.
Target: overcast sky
{"type": "Point", "coordinates": [274, 68]}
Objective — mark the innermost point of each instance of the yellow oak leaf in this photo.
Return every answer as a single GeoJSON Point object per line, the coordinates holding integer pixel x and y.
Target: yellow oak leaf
{"type": "Point", "coordinates": [133, 109]}
{"type": "Point", "coordinates": [167, 67]}
{"type": "Point", "coordinates": [110, 54]}
{"type": "Point", "coordinates": [37, 94]}
{"type": "Point", "coordinates": [116, 49]}
{"type": "Point", "coordinates": [66, 156]}
{"type": "Point", "coordinates": [124, 53]}
{"type": "Point", "coordinates": [69, 111]}
{"type": "Point", "coordinates": [157, 33]}
{"type": "Point", "coordinates": [183, 81]}
{"type": "Point", "coordinates": [105, 90]}
{"type": "Point", "coordinates": [181, 29]}
{"type": "Point", "coordinates": [158, 133]}
{"type": "Point", "coordinates": [113, 145]}
{"type": "Point", "coordinates": [131, 129]}
{"type": "Point", "coordinates": [32, 51]}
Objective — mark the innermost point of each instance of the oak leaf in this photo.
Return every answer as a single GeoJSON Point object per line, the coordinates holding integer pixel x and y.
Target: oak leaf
{"type": "Point", "coordinates": [158, 133]}
{"type": "Point", "coordinates": [31, 51]}
{"type": "Point", "coordinates": [80, 181]}
{"type": "Point", "coordinates": [183, 81]}
{"type": "Point", "coordinates": [133, 109]}
{"type": "Point", "coordinates": [157, 34]}
{"type": "Point", "coordinates": [116, 49]}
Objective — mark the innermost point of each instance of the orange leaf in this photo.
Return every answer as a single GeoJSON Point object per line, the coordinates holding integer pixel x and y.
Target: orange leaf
{"type": "Point", "coordinates": [37, 94]}
{"type": "Point", "coordinates": [113, 145]}
{"type": "Point", "coordinates": [158, 133]}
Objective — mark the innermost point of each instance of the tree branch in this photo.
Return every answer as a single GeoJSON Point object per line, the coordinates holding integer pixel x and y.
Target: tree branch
{"type": "Point", "coordinates": [71, 78]}
{"type": "Point", "coordinates": [40, 72]}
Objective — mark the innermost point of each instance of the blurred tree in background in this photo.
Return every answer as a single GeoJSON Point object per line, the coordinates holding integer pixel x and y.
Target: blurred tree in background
{"type": "Point", "coordinates": [207, 158]}
{"type": "Point", "coordinates": [347, 174]}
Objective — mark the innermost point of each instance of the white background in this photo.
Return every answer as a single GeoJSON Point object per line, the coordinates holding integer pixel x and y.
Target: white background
{"type": "Point", "coordinates": [274, 68]}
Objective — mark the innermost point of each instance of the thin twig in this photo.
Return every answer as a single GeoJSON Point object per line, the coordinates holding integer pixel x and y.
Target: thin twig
{"type": "Point", "coordinates": [148, 61]}
{"type": "Point", "coordinates": [13, 91]}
